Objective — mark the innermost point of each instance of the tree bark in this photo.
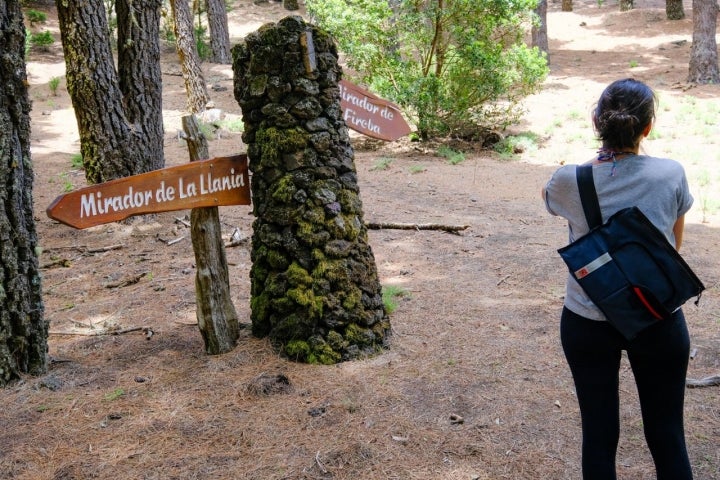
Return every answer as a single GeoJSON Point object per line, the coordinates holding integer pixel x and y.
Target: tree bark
{"type": "Point", "coordinates": [108, 142]}
{"type": "Point", "coordinates": [140, 75]}
{"type": "Point", "coordinates": [216, 316]}
{"type": "Point", "coordinates": [219, 34]}
{"type": "Point", "coordinates": [567, 6]}
{"type": "Point", "coordinates": [674, 9]}
{"type": "Point", "coordinates": [539, 29]}
{"type": "Point", "coordinates": [290, 4]}
{"type": "Point", "coordinates": [23, 330]}
{"type": "Point", "coordinates": [626, 5]}
{"type": "Point", "coordinates": [703, 66]}
{"type": "Point", "coordinates": [195, 86]}
{"type": "Point", "coordinates": [93, 88]}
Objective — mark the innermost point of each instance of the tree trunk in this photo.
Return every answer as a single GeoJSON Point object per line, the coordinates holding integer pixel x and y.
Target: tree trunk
{"type": "Point", "coordinates": [216, 315]}
{"type": "Point", "coordinates": [703, 66]}
{"type": "Point", "coordinates": [197, 93]}
{"type": "Point", "coordinates": [219, 35]}
{"type": "Point", "coordinates": [107, 140]}
{"type": "Point", "coordinates": [291, 4]}
{"type": "Point", "coordinates": [626, 5]}
{"type": "Point", "coordinates": [140, 75]}
{"type": "Point", "coordinates": [315, 290]}
{"type": "Point", "coordinates": [567, 6]}
{"type": "Point", "coordinates": [23, 330]}
{"type": "Point", "coordinates": [539, 29]}
{"type": "Point", "coordinates": [674, 9]}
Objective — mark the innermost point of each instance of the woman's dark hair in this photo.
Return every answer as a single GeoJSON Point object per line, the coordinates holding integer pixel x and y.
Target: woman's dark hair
{"type": "Point", "coordinates": [625, 108]}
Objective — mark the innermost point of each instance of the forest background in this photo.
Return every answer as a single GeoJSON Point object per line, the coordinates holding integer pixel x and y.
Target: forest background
{"type": "Point", "coordinates": [474, 384]}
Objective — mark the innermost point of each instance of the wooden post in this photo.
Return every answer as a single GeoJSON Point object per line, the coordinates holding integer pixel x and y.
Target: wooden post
{"type": "Point", "coordinates": [216, 315]}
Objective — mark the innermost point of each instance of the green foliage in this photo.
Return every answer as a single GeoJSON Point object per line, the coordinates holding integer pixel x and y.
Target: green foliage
{"type": "Point", "coordinates": [35, 16]}
{"type": "Point", "coordinates": [201, 41]}
{"type": "Point", "coordinates": [76, 161]}
{"type": "Point", "coordinates": [456, 69]}
{"type": "Point", "coordinates": [235, 125]}
{"type": "Point", "coordinates": [453, 157]}
{"type": "Point", "coordinates": [111, 20]}
{"type": "Point", "coordinates": [28, 36]}
{"type": "Point", "coordinates": [382, 163]}
{"type": "Point", "coordinates": [516, 144]}
{"type": "Point", "coordinates": [115, 394]}
{"type": "Point", "coordinates": [390, 293]}
{"type": "Point", "coordinates": [42, 40]}
{"type": "Point", "coordinates": [53, 84]}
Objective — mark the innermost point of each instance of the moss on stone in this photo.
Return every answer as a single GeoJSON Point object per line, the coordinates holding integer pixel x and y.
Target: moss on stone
{"type": "Point", "coordinates": [321, 352]}
{"type": "Point", "coordinates": [276, 259]}
{"type": "Point", "coordinates": [284, 189]}
{"type": "Point", "coordinates": [324, 355]}
{"type": "Point", "coordinates": [357, 335]}
{"type": "Point", "coordinates": [305, 297]}
{"type": "Point", "coordinates": [336, 341]}
{"type": "Point", "coordinates": [334, 270]}
{"type": "Point", "coordinates": [311, 234]}
{"type": "Point", "coordinates": [297, 275]}
{"type": "Point", "coordinates": [297, 350]}
{"type": "Point", "coordinates": [353, 299]}
{"type": "Point", "coordinates": [350, 201]}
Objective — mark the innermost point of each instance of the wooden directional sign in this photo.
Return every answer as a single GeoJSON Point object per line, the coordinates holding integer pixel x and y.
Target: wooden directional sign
{"type": "Point", "coordinates": [205, 183]}
{"type": "Point", "coordinates": [369, 114]}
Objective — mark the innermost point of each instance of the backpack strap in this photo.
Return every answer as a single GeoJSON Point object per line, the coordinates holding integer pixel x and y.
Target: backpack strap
{"type": "Point", "coordinates": [588, 195]}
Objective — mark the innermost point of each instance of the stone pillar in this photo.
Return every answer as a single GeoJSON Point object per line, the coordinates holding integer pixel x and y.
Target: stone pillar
{"type": "Point", "coordinates": [315, 289]}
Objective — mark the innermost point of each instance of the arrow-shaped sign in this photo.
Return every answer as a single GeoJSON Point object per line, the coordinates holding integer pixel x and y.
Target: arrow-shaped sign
{"type": "Point", "coordinates": [369, 114]}
{"type": "Point", "coordinates": [206, 183]}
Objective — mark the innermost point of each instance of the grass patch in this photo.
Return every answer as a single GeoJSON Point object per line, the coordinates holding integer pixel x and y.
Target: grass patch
{"type": "Point", "coordinates": [452, 156]}
{"type": "Point", "coordinates": [114, 395]}
{"type": "Point", "coordinates": [76, 161]}
{"type": "Point", "coordinates": [390, 294]}
{"type": "Point", "coordinates": [417, 169]}
{"type": "Point", "coordinates": [513, 145]}
{"type": "Point", "coordinates": [234, 125]}
{"type": "Point", "coordinates": [382, 163]}
{"type": "Point", "coordinates": [42, 41]}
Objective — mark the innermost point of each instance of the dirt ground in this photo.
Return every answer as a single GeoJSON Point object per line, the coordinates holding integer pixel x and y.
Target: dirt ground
{"type": "Point", "coordinates": [474, 384]}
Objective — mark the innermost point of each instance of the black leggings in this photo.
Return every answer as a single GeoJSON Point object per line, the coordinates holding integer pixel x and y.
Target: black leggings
{"type": "Point", "coordinates": [659, 359]}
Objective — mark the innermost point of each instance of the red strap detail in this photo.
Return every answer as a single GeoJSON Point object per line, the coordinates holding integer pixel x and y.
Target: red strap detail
{"type": "Point", "coordinates": [642, 298]}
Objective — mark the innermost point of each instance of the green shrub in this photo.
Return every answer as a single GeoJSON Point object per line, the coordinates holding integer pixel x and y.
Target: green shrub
{"type": "Point", "coordinates": [390, 293]}
{"type": "Point", "coordinates": [42, 40]}
{"type": "Point", "coordinates": [53, 84]}
{"type": "Point", "coordinates": [35, 16]}
{"type": "Point", "coordinates": [203, 49]}
{"type": "Point", "coordinates": [453, 157]}
{"type": "Point", "coordinates": [76, 161]}
{"type": "Point", "coordinates": [457, 69]}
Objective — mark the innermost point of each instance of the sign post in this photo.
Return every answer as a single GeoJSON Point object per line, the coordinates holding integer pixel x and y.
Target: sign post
{"type": "Point", "coordinates": [371, 115]}
{"type": "Point", "coordinates": [207, 183]}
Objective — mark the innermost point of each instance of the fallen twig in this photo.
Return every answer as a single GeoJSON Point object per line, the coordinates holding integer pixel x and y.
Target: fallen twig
{"type": "Point", "coordinates": [415, 226]}
{"type": "Point", "coordinates": [60, 262]}
{"type": "Point", "coordinates": [703, 382]}
{"type": "Point", "coordinates": [97, 333]}
{"type": "Point", "coordinates": [126, 282]}
{"type": "Point", "coordinates": [319, 463]}
{"type": "Point", "coordinates": [183, 221]}
{"type": "Point", "coordinates": [105, 249]}
{"type": "Point", "coordinates": [173, 242]}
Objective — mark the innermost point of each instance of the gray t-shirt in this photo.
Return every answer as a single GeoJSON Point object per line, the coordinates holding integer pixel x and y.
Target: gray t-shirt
{"type": "Point", "coordinates": [658, 186]}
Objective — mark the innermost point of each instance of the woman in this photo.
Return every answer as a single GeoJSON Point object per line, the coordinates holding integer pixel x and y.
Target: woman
{"type": "Point", "coordinates": [659, 354]}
